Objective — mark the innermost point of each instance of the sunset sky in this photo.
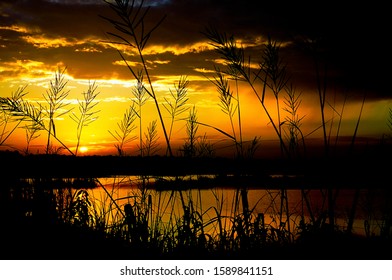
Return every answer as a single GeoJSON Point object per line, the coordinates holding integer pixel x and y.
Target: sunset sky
{"type": "Point", "coordinates": [39, 36]}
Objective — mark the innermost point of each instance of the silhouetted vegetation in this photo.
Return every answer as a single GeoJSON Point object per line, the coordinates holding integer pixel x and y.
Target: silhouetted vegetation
{"type": "Point", "coordinates": [50, 205]}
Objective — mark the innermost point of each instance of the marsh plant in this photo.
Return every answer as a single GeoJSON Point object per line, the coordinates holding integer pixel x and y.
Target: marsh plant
{"type": "Point", "coordinates": [132, 32]}
{"type": "Point", "coordinates": [87, 113]}
{"type": "Point", "coordinates": [140, 98]}
{"type": "Point", "coordinates": [293, 122]}
{"type": "Point", "coordinates": [196, 145]}
{"type": "Point", "coordinates": [56, 104]}
{"type": "Point", "coordinates": [41, 116]}
{"type": "Point", "coordinates": [6, 119]}
{"type": "Point", "coordinates": [35, 117]}
{"type": "Point", "coordinates": [151, 138]}
{"type": "Point", "coordinates": [270, 77]}
{"type": "Point", "coordinates": [126, 126]}
{"type": "Point", "coordinates": [176, 104]}
{"type": "Point", "coordinates": [190, 146]}
{"type": "Point", "coordinates": [176, 221]}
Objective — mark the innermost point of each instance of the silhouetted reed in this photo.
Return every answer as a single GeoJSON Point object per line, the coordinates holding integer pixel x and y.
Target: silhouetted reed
{"type": "Point", "coordinates": [270, 73]}
{"type": "Point", "coordinates": [176, 105]}
{"type": "Point", "coordinates": [86, 114]}
{"type": "Point", "coordinates": [133, 34]}
{"type": "Point", "coordinates": [126, 126]}
{"type": "Point", "coordinates": [151, 144]}
{"type": "Point", "coordinates": [141, 98]}
{"type": "Point", "coordinates": [174, 222]}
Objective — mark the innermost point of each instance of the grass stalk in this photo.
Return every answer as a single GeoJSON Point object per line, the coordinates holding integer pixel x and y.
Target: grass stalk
{"type": "Point", "coordinates": [179, 97]}
{"type": "Point", "coordinates": [126, 126]}
{"type": "Point", "coordinates": [132, 32]}
{"type": "Point", "coordinates": [189, 148]}
{"type": "Point", "coordinates": [270, 73]}
{"type": "Point", "coordinates": [150, 145]}
{"type": "Point", "coordinates": [293, 121]}
{"type": "Point", "coordinates": [6, 116]}
{"type": "Point", "coordinates": [141, 98]}
{"type": "Point", "coordinates": [55, 98]}
{"type": "Point", "coordinates": [86, 114]}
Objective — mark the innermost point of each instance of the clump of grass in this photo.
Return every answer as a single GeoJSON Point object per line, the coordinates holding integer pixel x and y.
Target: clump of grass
{"type": "Point", "coordinates": [80, 214]}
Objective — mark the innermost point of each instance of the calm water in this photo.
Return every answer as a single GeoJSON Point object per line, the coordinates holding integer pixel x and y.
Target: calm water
{"type": "Point", "coordinates": [280, 208]}
{"type": "Point", "coordinates": [368, 209]}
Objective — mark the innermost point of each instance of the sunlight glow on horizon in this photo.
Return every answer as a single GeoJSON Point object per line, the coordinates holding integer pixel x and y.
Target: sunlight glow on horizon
{"type": "Point", "coordinates": [112, 108]}
{"type": "Point", "coordinates": [83, 149]}
{"type": "Point", "coordinates": [89, 56]}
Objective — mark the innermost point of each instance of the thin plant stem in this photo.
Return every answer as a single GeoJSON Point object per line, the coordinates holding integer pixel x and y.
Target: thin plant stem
{"type": "Point", "coordinates": [55, 98]}
{"type": "Point", "coordinates": [86, 114]}
{"type": "Point", "coordinates": [132, 33]}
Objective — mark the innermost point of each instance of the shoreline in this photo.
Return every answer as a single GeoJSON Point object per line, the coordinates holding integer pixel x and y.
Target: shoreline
{"type": "Point", "coordinates": [348, 172]}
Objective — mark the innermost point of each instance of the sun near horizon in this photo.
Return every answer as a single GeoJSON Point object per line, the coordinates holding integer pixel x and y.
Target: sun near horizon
{"type": "Point", "coordinates": [115, 97]}
{"type": "Point", "coordinates": [32, 51]}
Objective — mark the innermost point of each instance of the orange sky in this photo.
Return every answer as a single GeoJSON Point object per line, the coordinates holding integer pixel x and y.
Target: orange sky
{"type": "Point", "coordinates": [35, 40]}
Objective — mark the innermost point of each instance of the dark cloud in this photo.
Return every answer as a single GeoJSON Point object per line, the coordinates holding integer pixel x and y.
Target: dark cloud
{"type": "Point", "coordinates": [352, 39]}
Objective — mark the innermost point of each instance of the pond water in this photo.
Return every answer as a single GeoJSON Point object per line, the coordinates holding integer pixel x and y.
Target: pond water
{"type": "Point", "coordinates": [364, 210]}
{"type": "Point", "coordinates": [169, 200]}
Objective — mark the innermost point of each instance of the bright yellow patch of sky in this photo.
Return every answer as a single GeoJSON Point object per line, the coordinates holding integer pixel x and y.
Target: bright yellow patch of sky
{"type": "Point", "coordinates": [115, 96]}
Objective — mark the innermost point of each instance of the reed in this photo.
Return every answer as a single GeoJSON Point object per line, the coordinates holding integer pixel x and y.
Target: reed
{"type": "Point", "coordinates": [141, 98]}
{"type": "Point", "coordinates": [176, 105]}
{"type": "Point", "coordinates": [190, 146]}
{"type": "Point", "coordinates": [132, 33]}
{"type": "Point", "coordinates": [126, 126]}
{"type": "Point", "coordinates": [86, 115]}
{"type": "Point", "coordinates": [175, 222]}
{"type": "Point", "coordinates": [6, 118]}
{"type": "Point", "coordinates": [55, 98]}
{"type": "Point", "coordinates": [163, 224]}
{"type": "Point", "coordinates": [35, 115]}
{"type": "Point", "coordinates": [151, 144]}
{"type": "Point", "coordinates": [226, 97]}
{"type": "Point", "coordinates": [293, 122]}
{"type": "Point", "coordinates": [270, 73]}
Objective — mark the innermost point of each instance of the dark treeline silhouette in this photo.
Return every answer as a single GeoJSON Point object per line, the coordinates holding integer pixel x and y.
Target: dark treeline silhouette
{"type": "Point", "coordinates": [354, 171]}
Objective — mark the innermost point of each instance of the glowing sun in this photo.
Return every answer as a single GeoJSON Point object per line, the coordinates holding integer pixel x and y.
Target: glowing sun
{"type": "Point", "coordinates": [83, 149]}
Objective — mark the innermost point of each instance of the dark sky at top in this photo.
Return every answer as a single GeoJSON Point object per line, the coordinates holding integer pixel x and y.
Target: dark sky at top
{"type": "Point", "coordinates": [352, 38]}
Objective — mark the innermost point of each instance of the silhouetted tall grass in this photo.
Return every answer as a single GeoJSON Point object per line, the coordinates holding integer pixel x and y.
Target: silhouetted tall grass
{"type": "Point", "coordinates": [132, 33]}
{"type": "Point", "coordinates": [86, 115]}
{"type": "Point", "coordinates": [126, 126]}
{"type": "Point", "coordinates": [176, 222]}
